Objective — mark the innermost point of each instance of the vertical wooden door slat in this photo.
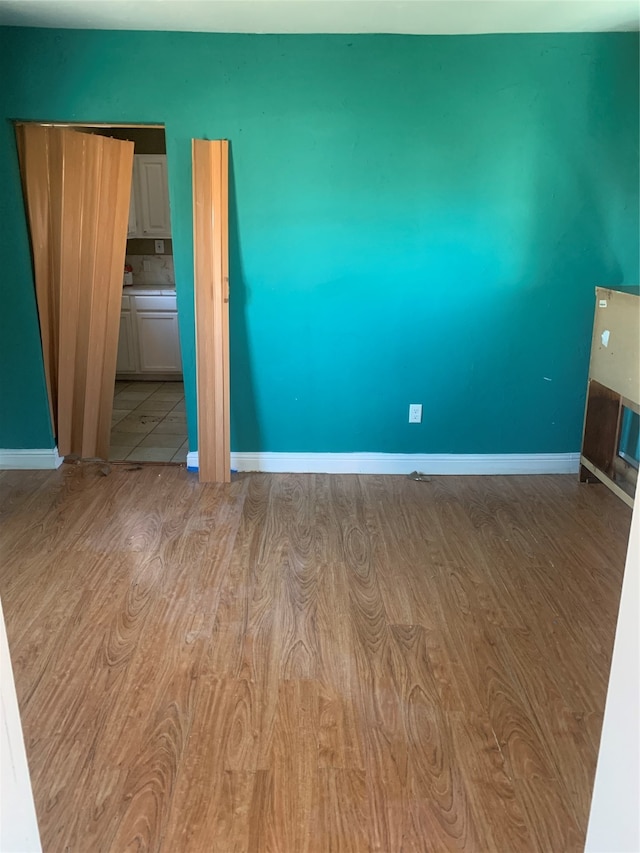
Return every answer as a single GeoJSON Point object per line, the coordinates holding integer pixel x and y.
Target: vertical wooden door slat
{"type": "Point", "coordinates": [111, 213]}
{"type": "Point", "coordinates": [55, 177]}
{"type": "Point", "coordinates": [73, 274]}
{"type": "Point", "coordinates": [34, 150]}
{"type": "Point", "coordinates": [89, 344]}
{"type": "Point", "coordinates": [211, 263]}
{"type": "Point", "coordinates": [114, 262]}
{"type": "Point", "coordinates": [77, 187]}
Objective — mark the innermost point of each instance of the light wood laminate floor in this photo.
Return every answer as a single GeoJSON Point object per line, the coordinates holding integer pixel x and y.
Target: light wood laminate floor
{"type": "Point", "coordinates": [297, 663]}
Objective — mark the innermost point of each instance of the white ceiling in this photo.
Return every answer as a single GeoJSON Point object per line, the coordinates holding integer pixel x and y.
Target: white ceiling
{"type": "Point", "coordinates": [328, 16]}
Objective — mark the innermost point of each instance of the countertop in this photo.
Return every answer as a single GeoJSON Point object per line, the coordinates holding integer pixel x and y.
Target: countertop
{"type": "Point", "coordinates": [149, 290]}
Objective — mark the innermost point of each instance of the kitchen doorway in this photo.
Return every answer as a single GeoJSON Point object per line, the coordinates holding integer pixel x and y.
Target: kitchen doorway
{"type": "Point", "coordinates": [93, 263]}
{"type": "Point", "coordinates": [149, 418]}
{"type": "Point", "coordinates": [147, 391]}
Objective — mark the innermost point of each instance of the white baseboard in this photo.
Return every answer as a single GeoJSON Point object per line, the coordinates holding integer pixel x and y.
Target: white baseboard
{"type": "Point", "coordinates": [44, 459]}
{"type": "Point", "coordinates": [402, 463]}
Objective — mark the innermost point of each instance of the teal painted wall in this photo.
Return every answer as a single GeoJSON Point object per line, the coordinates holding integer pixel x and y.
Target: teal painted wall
{"type": "Point", "coordinates": [413, 219]}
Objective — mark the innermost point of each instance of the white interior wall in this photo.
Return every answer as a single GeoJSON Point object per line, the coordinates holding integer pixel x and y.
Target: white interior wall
{"type": "Point", "coordinates": [614, 823]}
{"type": "Point", "coordinates": [18, 823]}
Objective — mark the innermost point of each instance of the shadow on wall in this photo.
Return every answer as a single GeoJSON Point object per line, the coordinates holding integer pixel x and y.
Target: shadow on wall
{"type": "Point", "coordinates": [570, 253]}
{"type": "Point", "coordinates": [572, 249]}
{"type": "Point", "coordinates": [245, 429]}
{"type": "Point", "coordinates": [542, 298]}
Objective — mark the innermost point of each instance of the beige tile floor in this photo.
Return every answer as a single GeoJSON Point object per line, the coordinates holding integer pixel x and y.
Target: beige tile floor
{"type": "Point", "coordinates": [149, 422]}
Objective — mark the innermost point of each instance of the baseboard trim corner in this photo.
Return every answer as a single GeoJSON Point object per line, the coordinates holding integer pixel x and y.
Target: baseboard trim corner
{"type": "Point", "coordinates": [30, 459]}
{"type": "Point", "coordinates": [401, 463]}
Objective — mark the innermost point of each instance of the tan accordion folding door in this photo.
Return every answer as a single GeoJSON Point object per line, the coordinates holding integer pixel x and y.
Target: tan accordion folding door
{"type": "Point", "coordinates": [77, 188]}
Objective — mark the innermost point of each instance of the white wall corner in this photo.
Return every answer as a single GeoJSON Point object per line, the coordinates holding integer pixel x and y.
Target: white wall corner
{"type": "Point", "coordinates": [45, 459]}
{"type": "Point", "coordinates": [401, 463]}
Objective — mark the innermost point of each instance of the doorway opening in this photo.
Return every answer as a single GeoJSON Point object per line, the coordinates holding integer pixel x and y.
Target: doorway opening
{"type": "Point", "coordinates": [148, 421]}
{"type": "Point", "coordinates": [121, 297]}
{"type": "Point", "coordinates": [99, 336]}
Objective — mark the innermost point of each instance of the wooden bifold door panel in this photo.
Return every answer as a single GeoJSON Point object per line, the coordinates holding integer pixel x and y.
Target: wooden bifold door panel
{"type": "Point", "coordinates": [77, 188]}
{"type": "Point", "coordinates": [211, 265]}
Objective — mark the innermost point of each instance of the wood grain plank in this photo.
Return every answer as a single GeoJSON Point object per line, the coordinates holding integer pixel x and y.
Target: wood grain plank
{"type": "Point", "coordinates": [344, 811]}
{"type": "Point", "coordinates": [291, 749]}
{"type": "Point", "coordinates": [491, 790]}
{"type": "Point", "coordinates": [215, 785]}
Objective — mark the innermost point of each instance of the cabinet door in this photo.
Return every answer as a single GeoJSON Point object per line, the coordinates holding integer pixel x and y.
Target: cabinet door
{"type": "Point", "coordinates": [158, 341]}
{"type": "Point", "coordinates": [153, 195]}
{"type": "Point", "coordinates": [126, 361]}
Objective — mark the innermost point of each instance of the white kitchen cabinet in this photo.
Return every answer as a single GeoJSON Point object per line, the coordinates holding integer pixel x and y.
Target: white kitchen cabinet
{"type": "Point", "coordinates": [149, 341]}
{"type": "Point", "coordinates": [158, 341]}
{"type": "Point", "coordinates": [152, 202]}
{"type": "Point", "coordinates": [126, 361]}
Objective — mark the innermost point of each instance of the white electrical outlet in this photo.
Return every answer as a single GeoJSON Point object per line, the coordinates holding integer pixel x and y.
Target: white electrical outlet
{"type": "Point", "coordinates": [159, 247]}
{"type": "Point", "coordinates": [146, 266]}
{"type": "Point", "coordinates": [415, 413]}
